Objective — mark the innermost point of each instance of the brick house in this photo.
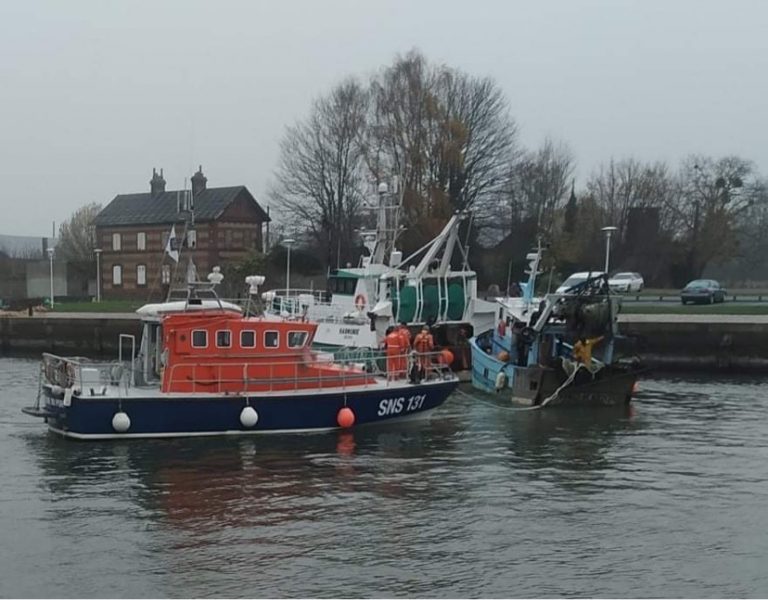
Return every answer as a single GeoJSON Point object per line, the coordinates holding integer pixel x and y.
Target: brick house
{"type": "Point", "coordinates": [222, 225]}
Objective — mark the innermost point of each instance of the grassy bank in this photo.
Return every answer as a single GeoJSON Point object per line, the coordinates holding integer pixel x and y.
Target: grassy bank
{"type": "Point", "coordinates": [96, 307]}
{"type": "Point", "coordinates": [695, 309]}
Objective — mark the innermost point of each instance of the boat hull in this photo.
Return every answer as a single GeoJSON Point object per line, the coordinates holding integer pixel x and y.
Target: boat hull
{"type": "Point", "coordinates": [612, 385]}
{"type": "Point", "coordinates": [177, 415]}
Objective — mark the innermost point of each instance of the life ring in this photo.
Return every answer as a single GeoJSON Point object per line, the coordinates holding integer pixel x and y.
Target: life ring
{"type": "Point", "coordinates": [360, 302]}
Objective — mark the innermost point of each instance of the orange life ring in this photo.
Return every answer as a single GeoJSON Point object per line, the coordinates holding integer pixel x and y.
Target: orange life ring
{"type": "Point", "coordinates": [360, 302]}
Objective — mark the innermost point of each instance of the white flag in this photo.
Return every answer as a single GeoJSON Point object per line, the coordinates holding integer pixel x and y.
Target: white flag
{"type": "Point", "coordinates": [172, 248]}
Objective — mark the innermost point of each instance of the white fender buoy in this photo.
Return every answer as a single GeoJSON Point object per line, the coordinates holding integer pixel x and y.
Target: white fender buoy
{"type": "Point", "coordinates": [501, 381]}
{"type": "Point", "coordinates": [121, 422]}
{"type": "Point", "coordinates": [249, 417]}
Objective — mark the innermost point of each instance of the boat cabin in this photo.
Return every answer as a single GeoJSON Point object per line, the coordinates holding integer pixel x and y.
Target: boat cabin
{"type": "Point", "coordinates": [220, 351]}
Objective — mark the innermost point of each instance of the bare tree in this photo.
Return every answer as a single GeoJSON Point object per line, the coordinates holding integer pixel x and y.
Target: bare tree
{"type": "Point", "coordinates": [77, 236]}
{"type": "Point", "coordinates": [620, 186]}
{"type": "Point", "coordinates": [319, 179]}
{"type": "Point", "coordinates": [448, 136]}
{"type": "Point", "coordinates": [539, 185]}
{"type": "Point", "coordinates": [714, 196]}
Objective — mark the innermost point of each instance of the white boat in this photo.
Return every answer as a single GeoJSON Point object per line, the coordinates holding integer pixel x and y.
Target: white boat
{"type": "Point", "coordinates": [362, 302]}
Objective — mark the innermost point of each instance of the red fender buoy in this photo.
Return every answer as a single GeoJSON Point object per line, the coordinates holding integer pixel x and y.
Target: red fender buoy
{"type": "Point", "coordinates": [446, 356]}
{"type": "Point", "coordinates": [345, 418]}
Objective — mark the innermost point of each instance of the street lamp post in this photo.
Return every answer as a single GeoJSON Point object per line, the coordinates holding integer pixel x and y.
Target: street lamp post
{"type": "Point", "coordinates": [97, 251]}
{"type": "Point", "coordinates": [288, 242]}
{"type": "Point", "coordinates": [50, 261]}
{"type": "Point", "coordinates": [608, 231]}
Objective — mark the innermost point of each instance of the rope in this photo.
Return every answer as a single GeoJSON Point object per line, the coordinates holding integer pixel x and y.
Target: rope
{"type": "Point", "coordinates": [563, 385]}
{"type": "Point", "coordinates": [543, 403]}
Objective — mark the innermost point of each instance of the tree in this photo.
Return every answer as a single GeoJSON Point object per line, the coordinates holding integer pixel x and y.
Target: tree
{"type": "Point", "coordinates": [77, 236]}
{"type": "Point", "coordinates": [618, 187]}
{"type": "Point", "coordinates": [320, 178]}
{"type": "Point", "coordinates": [714, 195]}
{"type": "Point", "coordinates": [448, 136]}
{"type": "Point", "coordinates": [539, 184]}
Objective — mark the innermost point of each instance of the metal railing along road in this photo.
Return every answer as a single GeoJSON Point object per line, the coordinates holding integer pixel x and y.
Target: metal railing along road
{"type": "Point", "coordinates": [739, 298]}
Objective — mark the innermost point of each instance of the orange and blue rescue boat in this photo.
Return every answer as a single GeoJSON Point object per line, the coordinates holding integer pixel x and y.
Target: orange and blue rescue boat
{"type": "Point", "coordinates": [203, 367]}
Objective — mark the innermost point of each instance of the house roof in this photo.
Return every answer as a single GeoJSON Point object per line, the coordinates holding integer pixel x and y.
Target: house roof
{"type": "Point", "coordinates": [162, 208]}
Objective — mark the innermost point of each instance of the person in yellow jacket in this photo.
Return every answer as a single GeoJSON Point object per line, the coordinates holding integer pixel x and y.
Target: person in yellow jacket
{"type": "Point", "coordinates": [582, 350]}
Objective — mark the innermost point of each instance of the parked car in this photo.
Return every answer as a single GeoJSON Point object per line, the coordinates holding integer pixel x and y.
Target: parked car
{"type": "Point", "coordinates": [707, 291]}
{"type": "Point", "coordinates": [625, 283]}
{"type": "Point", "coordinates": [576, 279]}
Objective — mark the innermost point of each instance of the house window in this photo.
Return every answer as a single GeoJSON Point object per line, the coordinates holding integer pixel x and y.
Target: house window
{"type": "Point", "coordinates": [199, 338]}
{"type": "Point", "coordinates": [165, 274]}
{"type": "Point", "coordinates": [271, 339]}
{"type": "Point", "coordinates": [223, 338]}
{"type": "Point", "coordinates": [141, 274]}
{"type": "Point", "coordinates": [141, 241]}
{"type": "Point", "coordinates": [117, 274]}
{"type": "Point", "coordinates": [296, 339]}
{"type": "Point", "coordinates": [247, 339]}
{"type": "Point", "coordinates": [116, 241]}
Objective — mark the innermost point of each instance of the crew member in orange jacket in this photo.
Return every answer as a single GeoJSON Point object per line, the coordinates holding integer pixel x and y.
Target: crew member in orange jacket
{"type": "Point", "coordinates": [424, 344]}
{"type": "Point", "coordinates": [395, 353]}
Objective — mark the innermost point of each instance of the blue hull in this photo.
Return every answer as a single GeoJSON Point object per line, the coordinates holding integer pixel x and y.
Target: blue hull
{"type": "Point", "coordinates": [175, 416]}
{"type": "Point", "coordinates": [611, 386]}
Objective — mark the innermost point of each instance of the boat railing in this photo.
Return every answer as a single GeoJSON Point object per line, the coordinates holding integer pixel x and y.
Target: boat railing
{"type": "Point", "coordinates": [80, 373]}
{"type": "Point", "coordinates": [313, 373]}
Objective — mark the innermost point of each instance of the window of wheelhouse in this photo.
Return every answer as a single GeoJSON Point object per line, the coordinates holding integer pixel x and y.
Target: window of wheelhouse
{"type": "Point", "coordinates": [223, 338]}
{"type": "Point", "coordinates": [247, 339]}
{"type": "Point", "coordinates": [296, 339]}
{"type": "Point", "coordinates": [199, 338]}
{"type": "Point", "coordinates": [342, 285]}
{"type": "Point", "coordinates": [271, 339]}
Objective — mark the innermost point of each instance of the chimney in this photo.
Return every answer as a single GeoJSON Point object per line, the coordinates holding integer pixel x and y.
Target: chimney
{"type": "Point", "coordinates": [198, 181]}
{"type": "Point", "coordinates": [157, 183]}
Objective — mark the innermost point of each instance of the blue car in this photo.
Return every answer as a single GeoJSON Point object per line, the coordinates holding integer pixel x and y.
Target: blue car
{"type": "Point", "coordinates": [707, 291]}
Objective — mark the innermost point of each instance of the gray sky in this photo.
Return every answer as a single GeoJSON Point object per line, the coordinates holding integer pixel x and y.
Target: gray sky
{"type": "Point", "coordinates": [94, 94]}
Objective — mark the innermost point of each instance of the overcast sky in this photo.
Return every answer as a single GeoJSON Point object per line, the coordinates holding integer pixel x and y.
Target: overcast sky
{"type": "Point", "coordinates": [95, 94]}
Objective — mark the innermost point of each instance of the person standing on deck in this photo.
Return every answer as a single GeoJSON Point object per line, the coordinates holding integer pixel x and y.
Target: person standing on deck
{"type": "Point", "coordinates": [582, 350]}
{"type": "Point", "coordinates": [393, 343]}
{"type": "Point", "coordinates": [405, 345]}
{"type": "Point", "coordinates": [424, 344]}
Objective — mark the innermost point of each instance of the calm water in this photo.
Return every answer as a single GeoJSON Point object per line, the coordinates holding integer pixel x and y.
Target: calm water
{"type": "Point", "coordinates": [667, 499]}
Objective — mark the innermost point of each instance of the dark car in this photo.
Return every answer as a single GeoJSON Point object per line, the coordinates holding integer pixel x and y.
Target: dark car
{"type": "Point", "coordinates": [707, 291]}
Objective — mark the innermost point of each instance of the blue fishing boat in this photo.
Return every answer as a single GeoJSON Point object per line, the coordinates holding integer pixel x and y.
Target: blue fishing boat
{"type": "Point", "coordinates": [562, 352]}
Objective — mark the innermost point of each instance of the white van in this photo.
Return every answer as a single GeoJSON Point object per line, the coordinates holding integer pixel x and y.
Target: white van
{"type": "Point", "coordinates": [577, 278]}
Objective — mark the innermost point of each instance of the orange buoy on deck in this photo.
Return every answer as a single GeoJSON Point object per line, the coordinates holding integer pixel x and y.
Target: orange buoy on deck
{"type": "Point", "coordinates": [346, 417]}
{"type": "Point", "coordinates": [446, 356]}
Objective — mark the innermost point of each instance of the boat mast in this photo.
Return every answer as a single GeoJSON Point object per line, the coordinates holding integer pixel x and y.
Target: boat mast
{"type": "Point", "coordinates": [380, 242]}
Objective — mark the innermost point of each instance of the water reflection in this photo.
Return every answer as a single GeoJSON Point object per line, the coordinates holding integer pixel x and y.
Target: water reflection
{"type": "Point", "coordinates": [209, 483]}
{"type": "Point", "coordinates": [571, 447]}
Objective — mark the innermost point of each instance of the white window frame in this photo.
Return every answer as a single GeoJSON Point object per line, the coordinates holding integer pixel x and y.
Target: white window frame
{"type": "Point", "coordinates": [117, 275]}
{"type": "Point", "coordinates": [117, 242]}
{"type": "Point", "coordinates": [192, 338]}
{"type": "Point", "coordinates": [165, 274]}
{"type": "Point", "coordinates": [253, 333]}
{"type": "Point", "coordinates": [141, 275]}
{"type": "Point", "coordinates": [228, 331]}
{"type": "Point", "coordinates": [141, 241]}
{"type": "Point", "coordinates": [303, 340]}
{"type": "Point", "coordinates": [277, 338]}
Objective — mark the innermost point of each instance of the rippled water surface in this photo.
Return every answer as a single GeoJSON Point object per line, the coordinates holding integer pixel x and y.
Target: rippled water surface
{"type": "Point", "coordinates": [668, 498]}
